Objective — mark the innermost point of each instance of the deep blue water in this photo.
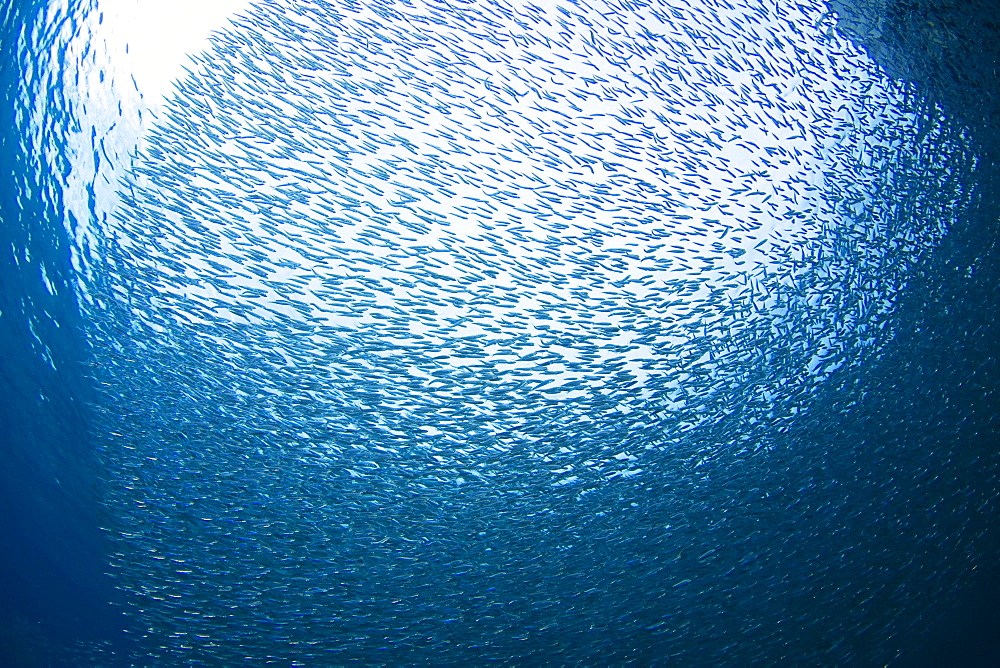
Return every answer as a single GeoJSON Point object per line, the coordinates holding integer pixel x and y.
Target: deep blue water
{"type": "Point", "coordinates": [445, 334]}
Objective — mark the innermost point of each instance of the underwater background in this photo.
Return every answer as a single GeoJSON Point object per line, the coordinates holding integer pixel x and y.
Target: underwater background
{"type": "Point", "coordinates": [446, 332]}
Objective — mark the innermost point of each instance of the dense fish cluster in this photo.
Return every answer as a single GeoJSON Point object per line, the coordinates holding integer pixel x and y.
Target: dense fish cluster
{"type": "Point", "coordinates": [423, 324]}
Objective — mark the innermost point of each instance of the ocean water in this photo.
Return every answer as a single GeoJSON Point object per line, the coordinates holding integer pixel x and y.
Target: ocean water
{"type": "Point", "coordinates": [564, 333]}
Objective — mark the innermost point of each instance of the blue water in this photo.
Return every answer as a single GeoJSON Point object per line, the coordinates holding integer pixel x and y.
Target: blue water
{"type": "Point", "coordinates": [423, 333]}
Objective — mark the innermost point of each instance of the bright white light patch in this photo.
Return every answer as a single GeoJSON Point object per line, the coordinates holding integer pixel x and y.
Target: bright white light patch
{"type": "Point", "coordinates": [160, 36]}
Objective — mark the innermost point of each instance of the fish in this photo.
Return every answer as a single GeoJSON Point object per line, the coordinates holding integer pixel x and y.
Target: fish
{"type": "Point", "coordinates": [390, 270]}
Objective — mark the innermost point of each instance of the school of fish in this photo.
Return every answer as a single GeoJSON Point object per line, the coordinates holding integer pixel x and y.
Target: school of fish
{"type": "Point", "coordinates": [422, 323]}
